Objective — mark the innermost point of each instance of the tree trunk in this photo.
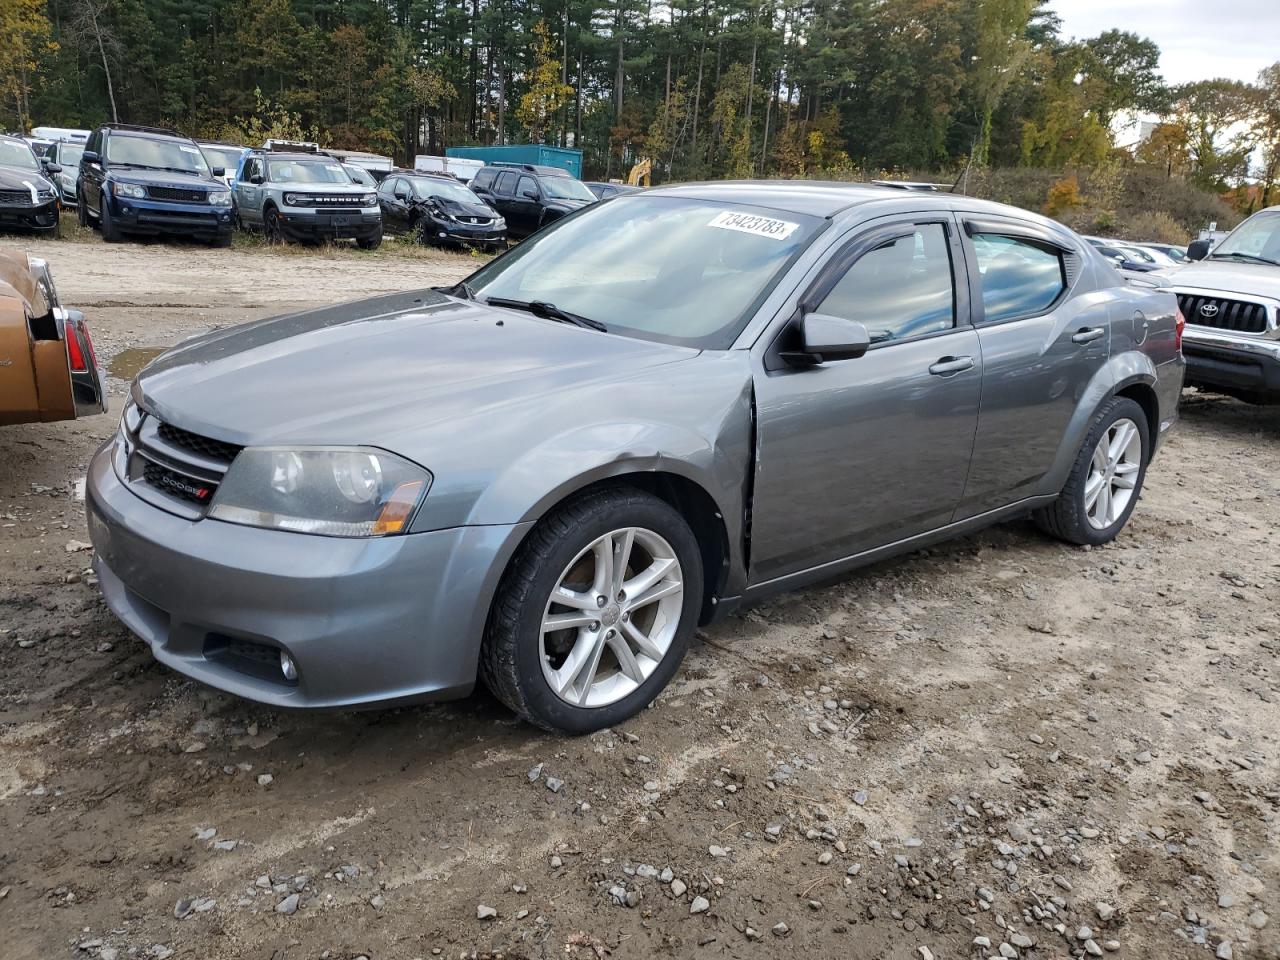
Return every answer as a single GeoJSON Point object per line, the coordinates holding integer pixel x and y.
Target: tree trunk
{"type": "Point", "coordinates": [106, 67]}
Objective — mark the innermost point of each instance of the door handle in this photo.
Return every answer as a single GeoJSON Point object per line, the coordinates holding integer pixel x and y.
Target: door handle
{"type": "Point", "coordinates": [949, 365]}
{"type": "Point", "coordinates": [1088, 335]}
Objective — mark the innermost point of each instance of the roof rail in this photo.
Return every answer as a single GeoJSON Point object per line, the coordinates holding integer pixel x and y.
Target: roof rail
{"type": "Point", "coordinates": [292, 146]}
{"type": "Point", "coordinates": [136, 128]}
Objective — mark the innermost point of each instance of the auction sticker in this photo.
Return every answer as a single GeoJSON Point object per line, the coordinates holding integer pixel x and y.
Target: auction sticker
{"type": "Point", "coordinates": [750, 223]}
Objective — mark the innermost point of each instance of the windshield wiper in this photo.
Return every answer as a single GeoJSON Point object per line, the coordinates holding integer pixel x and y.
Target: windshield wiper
{"type": "Point", "coordinates": [548, 311]}
{"type": "Point", "coordinates": [1244, 256]}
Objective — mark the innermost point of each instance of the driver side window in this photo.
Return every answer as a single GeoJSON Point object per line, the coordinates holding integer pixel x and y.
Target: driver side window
{"type": "Point", "coordinates": [526, 186]}
{"type": "Point", "coordinates": [903, 288]}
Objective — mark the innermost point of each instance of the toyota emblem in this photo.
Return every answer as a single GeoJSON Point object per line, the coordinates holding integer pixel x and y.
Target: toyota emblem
{"type": "Point", "coordinates": [1209, 310]}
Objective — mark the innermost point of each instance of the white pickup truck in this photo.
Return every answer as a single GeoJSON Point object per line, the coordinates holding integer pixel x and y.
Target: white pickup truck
{"type": "Point", "coordinates": [1230, 298]}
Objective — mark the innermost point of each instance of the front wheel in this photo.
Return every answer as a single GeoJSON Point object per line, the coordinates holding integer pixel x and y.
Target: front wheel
{"type": "Point", "coordinates": [595, 612]}
{"type": "Point", "coordinates": [272, 228]}
{"type": "Point", "coordinates": [1106, 480]}
{"type": "Point", "coordinates": [110, 232]}
{"type": "Point", "coordinates": [371, 242]}
{"type": "Point", "coordinates": [82, 210]}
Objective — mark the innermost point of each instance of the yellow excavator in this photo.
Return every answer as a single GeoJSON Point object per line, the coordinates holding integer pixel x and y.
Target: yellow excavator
{"type": "Point", "coordinates": [641, 173]}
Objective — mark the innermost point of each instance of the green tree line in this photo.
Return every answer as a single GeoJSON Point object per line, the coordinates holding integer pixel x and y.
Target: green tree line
{"type": "Point", "coordinates": [703, 88]}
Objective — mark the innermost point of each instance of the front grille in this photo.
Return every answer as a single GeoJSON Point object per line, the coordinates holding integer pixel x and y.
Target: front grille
{"type": "Point", "coordinates": [177, 194]}
{"type": "Point", "coordinates": [18, 197]}
{"type": "Point", "coordinates": [485, 221]}
{"type": "Point", "coordinates": [1239, 316]}
{"type": "Point", "coordinates": [218, 450]}
{"type": "Point", "coordinates": [334, 200]}
{"type": "Point", "coordinates": [176, 484]}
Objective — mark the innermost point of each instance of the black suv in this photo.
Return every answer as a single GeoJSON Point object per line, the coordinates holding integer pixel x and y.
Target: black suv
{"type": "Point", "coordinates": [530, 196]}
{"type": "Point", "coordinates": [437, 209]}
{"type": "Point", "coordinates": [27, 197]}
{"type": "Point", "coordinates": [153, 181]}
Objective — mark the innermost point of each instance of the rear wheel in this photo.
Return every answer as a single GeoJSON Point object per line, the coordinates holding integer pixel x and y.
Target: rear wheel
{"type": "Point", "coordinates": [1106, 480]}
{"type": "Point", "coordinates": [595, 612]}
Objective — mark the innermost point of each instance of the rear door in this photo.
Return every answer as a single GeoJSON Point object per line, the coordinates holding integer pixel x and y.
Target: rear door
{"type": "Point", "coordinates": [856, 454]}
{"type": "Point", "coordinates": [1041, 347]}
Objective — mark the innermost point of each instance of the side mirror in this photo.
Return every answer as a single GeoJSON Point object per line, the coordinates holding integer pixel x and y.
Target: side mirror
{"type": "Point", "coordinates": [529, 194]}
{"type": "Point", "coordinates": [53, 167]}
{"type": "Point", "coordinates": [219, 172]}
{"type": "Point", "coordinates": [826, 338]}
{"type": "Point", "coordinates": [91, 157]}
{"type": "Point", "coordinates": [257, 178]}
{"type": "Point", "coordinates": [1198, 249]}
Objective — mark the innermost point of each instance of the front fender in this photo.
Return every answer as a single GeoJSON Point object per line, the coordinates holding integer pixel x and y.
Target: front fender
{"type": "Point", "coordinates": [1119, 372]}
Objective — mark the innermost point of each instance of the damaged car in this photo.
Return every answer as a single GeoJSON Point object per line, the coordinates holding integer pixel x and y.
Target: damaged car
{"type": "Point", "coordinates": [651, 413]}
{"type": "Point", "coordinates": [48, 370]}
{"type": "Point", "coordinates": [437, 209]}
{"type": "Point", "coordinates": [28, 199]}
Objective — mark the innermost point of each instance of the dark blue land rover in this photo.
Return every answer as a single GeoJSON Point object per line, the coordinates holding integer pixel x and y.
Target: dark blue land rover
{"type": "Point", "coordinates": [148, 180]}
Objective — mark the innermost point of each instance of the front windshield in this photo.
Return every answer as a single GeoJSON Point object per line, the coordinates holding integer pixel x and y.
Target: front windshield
{"type": "Point", "coordinates": [69, 154]}
{"type": "Point", "coordinates": [675, 269]}
{"type": "Point", "coordinates": [566, 188]}
{"type": "Point", "coordinates": [444, 189]}
{"type": "Point", "coordinates": [228, 158]}
{"type": "Point", "coordinates": [307, 171]}
{"type": "Point", "coordinates": [1258, 238]}
{"type": "Point", "coordinates": [156, 154]}
{"type": "Point", "coordinates": [15, 153]}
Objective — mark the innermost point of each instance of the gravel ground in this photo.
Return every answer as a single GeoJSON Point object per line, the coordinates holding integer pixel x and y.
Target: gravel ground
{"type": "Point", "coordinates": [1002, 747]}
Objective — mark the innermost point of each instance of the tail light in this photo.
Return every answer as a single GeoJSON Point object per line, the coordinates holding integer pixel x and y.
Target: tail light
{"type": "Point", "coordinates": [80, 354]}
{"type": "Point", "coordinates": [1179, 324]}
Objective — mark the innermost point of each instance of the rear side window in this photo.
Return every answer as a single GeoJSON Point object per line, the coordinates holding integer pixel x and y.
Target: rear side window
{"type": "Point", "coordinates": [1020, 278]}
{"type": "Point", "coordinates": [901, 289]}
{"type": "Point", "coordinates": [506, 181]}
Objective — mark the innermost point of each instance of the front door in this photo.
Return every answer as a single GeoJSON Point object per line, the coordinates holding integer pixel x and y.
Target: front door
{"type": "Point", "coordinates": [856, 454]}
{"type": "Point", "coordinates": [1040, 353]}
{"type": "Point", "coordinates": [248, 195]}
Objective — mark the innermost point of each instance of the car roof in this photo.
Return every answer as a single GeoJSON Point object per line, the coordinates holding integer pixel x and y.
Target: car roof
{"type": "Point", "coordinates": [297, 157]}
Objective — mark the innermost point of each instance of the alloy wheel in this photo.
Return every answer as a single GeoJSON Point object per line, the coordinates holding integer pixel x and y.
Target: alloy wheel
{"type": "Point", "coordinates": [611, 617]}
{"type": "Point", "coordinates": [1113, 474]}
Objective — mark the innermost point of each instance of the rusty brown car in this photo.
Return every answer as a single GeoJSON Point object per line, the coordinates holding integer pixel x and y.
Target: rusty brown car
{"type": "Point", "coordinates": [48, 370]}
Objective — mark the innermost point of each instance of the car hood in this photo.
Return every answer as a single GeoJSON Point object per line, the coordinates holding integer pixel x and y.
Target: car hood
{"type": "Point", "coordinates": [165, 178]}
{"type": "Point", "coordinates": [15, 178]}
{"type": "Point", "coordinates": [460, 209]}
{"type": "Point", "coordinates": [380, 372]}
{"type": "Point", "coordinates": [1228, 276]}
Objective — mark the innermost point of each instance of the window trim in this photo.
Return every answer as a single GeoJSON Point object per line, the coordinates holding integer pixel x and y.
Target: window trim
{"type": "Point", "coordinates": [1028, 233]}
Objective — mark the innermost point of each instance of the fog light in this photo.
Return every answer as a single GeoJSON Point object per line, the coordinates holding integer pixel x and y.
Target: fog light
{"type": "Point", "coordinates": [288, 667]}
{"type": "Point", "coordinates": [443, 234]}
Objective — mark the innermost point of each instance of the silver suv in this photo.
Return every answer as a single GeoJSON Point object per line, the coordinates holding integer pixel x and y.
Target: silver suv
{"type": "Point", "coordinates": [305, 196]}
{"type": "Point", "coordinates": [1231, 300]}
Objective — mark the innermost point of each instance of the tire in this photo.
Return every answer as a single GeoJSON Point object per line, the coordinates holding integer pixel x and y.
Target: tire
{"type": "Point", "coordinates": [271, 229]}
{"type": "Point", "coordinates": [512, 661]}
{"type": "Point", "coordinates": [1076, 518]}
{"type": "Point", "coordinates": [372, 242]}
{"type": "Point", "coordinates": [222, 240]}
{"type": "Point", "coordinates": [110, 232]}
{"type": "Point", "coordinates": [82, 211]}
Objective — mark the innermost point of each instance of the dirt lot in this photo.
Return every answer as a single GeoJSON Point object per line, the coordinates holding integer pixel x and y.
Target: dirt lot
{"type": "Point", "coordinates": [1002, 738]}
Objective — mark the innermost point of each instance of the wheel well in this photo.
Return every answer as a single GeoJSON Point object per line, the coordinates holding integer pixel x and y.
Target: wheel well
{"type": "Point", "coordinates": [698, 509]}
{"type": "Point", "coordinates": [1145, 397]}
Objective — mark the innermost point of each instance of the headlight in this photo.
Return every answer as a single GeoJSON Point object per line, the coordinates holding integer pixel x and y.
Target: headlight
{"type": "Point", "coordinates": [335, 491]}
{"type": "Point", "coordinates": [500, 222]}
{"type": "Point", "coordinates": [369, 199]}
{"type": "Point", "coordinates": [129, 190]}
{"type": "Point", "coordinates": [220, 198]}
{"type": "Point", "coordinates": [68, 181]}
{"type": "Point", "coordinates": [291, 198]}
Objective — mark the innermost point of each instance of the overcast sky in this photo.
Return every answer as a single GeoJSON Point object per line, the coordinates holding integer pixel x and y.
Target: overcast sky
{"type": "Point", "coordinates": [1198, 39]}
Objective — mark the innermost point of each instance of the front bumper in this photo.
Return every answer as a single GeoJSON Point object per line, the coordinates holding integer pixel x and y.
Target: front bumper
{"type": "Point", "coordinates": [1232, 363]}
{"type": "Point", "coordinates": [182, 219]}
{"type": "Point", "coordinates": [447, 231]}
{"type": "Point", "coordinates": [309, 224]}
{"type": "Point", "coordinates": [42, 216]}
{"type": "Point", "coordinates": [368, 622]}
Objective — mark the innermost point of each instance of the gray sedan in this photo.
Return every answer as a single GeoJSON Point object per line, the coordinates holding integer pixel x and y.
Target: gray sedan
{"type": "Point", "coordinates": [658, 409]}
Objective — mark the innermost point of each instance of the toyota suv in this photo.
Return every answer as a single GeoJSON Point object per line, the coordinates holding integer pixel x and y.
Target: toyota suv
{"type": "Point", "coordinates": [1231, 299]}
{"type": "Point", "coordinates": [150, 180]}
{"type": "Point", "coordinates": [305, 194]}
{"type": "Point", "coordinates": [528, 196]}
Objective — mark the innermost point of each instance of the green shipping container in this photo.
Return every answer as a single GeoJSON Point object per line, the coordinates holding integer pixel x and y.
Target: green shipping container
{"type": "Point", "coordinates": [537, 153]}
